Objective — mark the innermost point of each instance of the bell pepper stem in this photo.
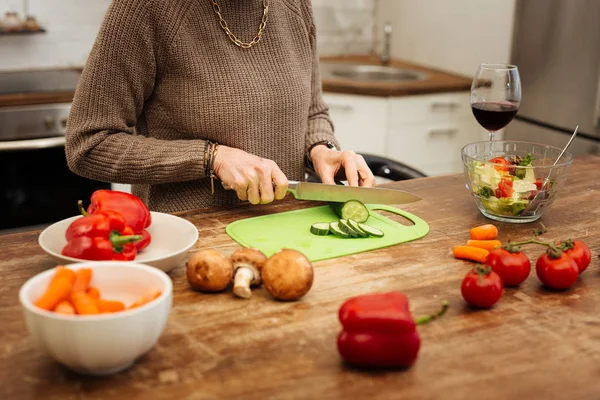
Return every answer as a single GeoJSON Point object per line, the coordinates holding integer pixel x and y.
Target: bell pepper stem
{"type": "Point", "coordinates": [119, 241]}
{"type": "Point", "coordinates": [425, 319]}
{"type": "Point", "coordinates": [81, 209]}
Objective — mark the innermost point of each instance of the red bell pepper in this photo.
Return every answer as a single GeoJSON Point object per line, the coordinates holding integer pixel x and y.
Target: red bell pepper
{"type": "Point", "coordinates": [131, 207]}
{"type": "Point", "coordinates": [101, 236]}
{"type": "Point", "coordinates": [379, 331]}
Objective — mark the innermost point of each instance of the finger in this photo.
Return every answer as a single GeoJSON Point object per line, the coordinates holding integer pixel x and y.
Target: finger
{"type": "Point", "coordinates": [240, 186]}
{"type": "Point", "coordinates": [253, 190]}
{"type": "Point", "coordinates": [281, 183]}
{"type": "Point", "coordinates": [266, 186]}
{"type": "Point", "coordinates": [349, 163]}
{"type": "Point", "coordinates": [242, 194]}
{"type": "Point", "coordinates": [327, 176]}
{"type": "Point", "coordinates": [364, 172]}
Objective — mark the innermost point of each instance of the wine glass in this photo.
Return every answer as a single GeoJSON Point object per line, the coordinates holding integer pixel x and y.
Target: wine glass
{"type": "Point", "coordinates": [495, 96]}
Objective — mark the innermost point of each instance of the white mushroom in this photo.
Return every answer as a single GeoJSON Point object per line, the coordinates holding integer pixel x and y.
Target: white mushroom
{"type": "Point", "coordinates": [209, 271]}
{"type": "Point", "coordinates": [287, 275]}
{"type": "Point", "coordinates": [247, 266]}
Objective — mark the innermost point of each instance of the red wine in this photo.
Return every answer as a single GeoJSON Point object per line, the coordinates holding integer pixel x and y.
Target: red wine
{"type": "Point", "coordinates": [494, 116]}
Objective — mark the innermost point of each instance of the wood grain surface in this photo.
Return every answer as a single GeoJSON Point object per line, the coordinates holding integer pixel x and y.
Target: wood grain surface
{"type": "Point", "coordinates": [534, 344]}
{"type": "Point", "coordinates": [436, 82]}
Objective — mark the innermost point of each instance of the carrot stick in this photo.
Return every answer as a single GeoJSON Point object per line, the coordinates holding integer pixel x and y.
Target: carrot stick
{"type": "Point", "coordinates": [484, 244]}
{"type": "Point", "coordinates": [64, 307]}
{"type": "Point", "coordinates": [108, 306]}
{"type": "Point", "coordinates": [471, 253]}
{"type": "Point", "coordinates": [84, 304]}
{"type": "Point", "coordinates": [93, 292]}
{"type": "Point", "coordinates": [145, 299]}
{"type": "Point", "coordinates": [83, 276]}
{"type": "Point", "coordinates": [484, 232]}
{"type": "Point", "coordinates": [58, 290]}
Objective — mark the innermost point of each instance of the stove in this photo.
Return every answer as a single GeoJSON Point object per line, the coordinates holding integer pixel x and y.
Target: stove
{"type": "Point", "coordinates": [37, 186]}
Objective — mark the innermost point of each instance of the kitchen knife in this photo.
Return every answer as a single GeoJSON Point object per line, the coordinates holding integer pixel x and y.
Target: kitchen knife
{"type": "Point", "coordinates": [341, 193]}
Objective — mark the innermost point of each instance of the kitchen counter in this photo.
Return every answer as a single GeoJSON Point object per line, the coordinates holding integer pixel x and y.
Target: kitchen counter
{"type": "Point", "coordinates": [435, 82]}
{"type": "Point", "coordinates": [534, 344]}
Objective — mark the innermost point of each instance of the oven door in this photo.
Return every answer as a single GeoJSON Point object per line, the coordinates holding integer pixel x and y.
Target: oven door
{"type": "Point", "coordinates": [37, 186]}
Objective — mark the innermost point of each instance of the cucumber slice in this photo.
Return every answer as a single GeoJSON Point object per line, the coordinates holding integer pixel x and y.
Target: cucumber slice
{"type": "Point", "coordinates": [352, 209]}
{"type": "Point", "coordinates": [344, 226]}
{"type": "Point", "coordinates": [371, 231]}
{"type": "Point", "coordinates": [334, 227]}
{"type": "Point", "coordinates": [320, 229]}
{"type": "Point", "coordinates": [354, 225]}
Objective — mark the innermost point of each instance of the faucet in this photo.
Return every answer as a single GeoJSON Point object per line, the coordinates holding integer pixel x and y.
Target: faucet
{"type": "Point", "coordinates": [387, 38]}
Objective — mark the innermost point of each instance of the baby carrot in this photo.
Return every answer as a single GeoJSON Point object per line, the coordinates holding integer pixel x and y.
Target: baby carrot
{"type": "Point", "coordinates": [145, 299]}
{"type": "Point", "coordinates": [64, 307]}
{"type": "Point", "coordinates": [484, 232]}
{"type": "Point", "coordinates": [84, 304]}
{"type": "Point", "coordinates": [93, 292]}
{"type": "Point", "coordinates": [471, 253]}
{"type": "Point", "coordinates": [58, 290]}
{"type": "Point", "coordinates": [108, 306]}
{"type": "Point", "coordinates": [83, 276]}
{"type": "Point", "coordinates": [484, 244]}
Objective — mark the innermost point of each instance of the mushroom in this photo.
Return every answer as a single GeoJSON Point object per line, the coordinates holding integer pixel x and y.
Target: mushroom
{"type": "Point", "coordinates": [287, 275]}
{"type": "Point", "coordinates": [209, 271]}
{"type": "Point", "coordinates": [247, 265]}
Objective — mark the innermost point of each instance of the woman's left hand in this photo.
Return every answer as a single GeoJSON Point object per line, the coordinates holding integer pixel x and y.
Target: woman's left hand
{"type": "Point", "coordinates": [328, 163]}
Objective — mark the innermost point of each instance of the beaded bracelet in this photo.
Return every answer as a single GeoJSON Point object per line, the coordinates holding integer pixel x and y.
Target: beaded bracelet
{"type": "Point", "coordinates": [209, 162]}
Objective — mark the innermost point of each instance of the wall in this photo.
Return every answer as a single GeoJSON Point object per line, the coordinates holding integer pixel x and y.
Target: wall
{"type": "Point", "coordinates": [454, 35]}
{"type": "Point", "coordinates": [344, 26]}
{"type": "Point", "coordinates": [72, 27]}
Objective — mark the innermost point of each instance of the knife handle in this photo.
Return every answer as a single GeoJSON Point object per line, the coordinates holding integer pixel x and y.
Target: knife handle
{"type": "Point", "coordinates": [292, 185]}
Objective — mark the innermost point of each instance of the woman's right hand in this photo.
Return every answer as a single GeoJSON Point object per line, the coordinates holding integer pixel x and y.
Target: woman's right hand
{"type": "Point", "coordinates": [250, 176]}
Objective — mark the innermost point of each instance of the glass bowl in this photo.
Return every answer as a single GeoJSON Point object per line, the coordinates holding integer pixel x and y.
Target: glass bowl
{"type": "Point", "coordinates": [510, 192]}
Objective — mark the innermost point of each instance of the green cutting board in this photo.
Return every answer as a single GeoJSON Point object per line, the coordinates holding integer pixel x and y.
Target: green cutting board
{"type": "Point", "coordinates": [291, 230]}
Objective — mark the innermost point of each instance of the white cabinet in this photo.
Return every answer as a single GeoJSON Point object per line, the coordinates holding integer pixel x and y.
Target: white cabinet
{"type": "Point", "coordinates": [426, 132]}
{"type": "Point", "coordinates": [361, 122]}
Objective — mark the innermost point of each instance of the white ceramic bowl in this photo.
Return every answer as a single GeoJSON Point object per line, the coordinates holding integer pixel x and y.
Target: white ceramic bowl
{"type": "Point", "coordinates": [172, 237]}
{"type": "Point", "coordinates": [107, 343]}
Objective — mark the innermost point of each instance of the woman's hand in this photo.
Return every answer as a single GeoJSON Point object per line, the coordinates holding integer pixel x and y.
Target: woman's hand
{"type": "Point", "coordinates": [250, 176]}
{"type": "Point", "coordinates": [329, 162]}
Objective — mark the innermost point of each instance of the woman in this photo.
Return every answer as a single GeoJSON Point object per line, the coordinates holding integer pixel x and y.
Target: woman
{"type": "Point", "coordinates": [170, 98]}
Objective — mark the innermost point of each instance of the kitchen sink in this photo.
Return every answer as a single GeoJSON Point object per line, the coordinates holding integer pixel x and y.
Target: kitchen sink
{"type": "Point", "coordinates": [369, 73]}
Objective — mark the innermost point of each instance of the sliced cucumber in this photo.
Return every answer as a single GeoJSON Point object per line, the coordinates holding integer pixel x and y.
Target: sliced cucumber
{"type": "Point", "coordinates": [352, 209]}
{"type": "Point", "coordinates": [354, 225]}
{"type": "Point", "coordinates": [320, 229]}
{"type": "Point", "coordinates": [348, 229]}
{"type": "Point", "coordinates": [371, 231]}
{"type": "Point", "coordinates": [334, 227]}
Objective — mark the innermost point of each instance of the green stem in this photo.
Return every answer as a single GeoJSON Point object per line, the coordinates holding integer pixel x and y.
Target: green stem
{"type": "Point", "coordinates": [118, 241]}
{"type": "Point", "coordinates": [81, 209]}
{"type": "Point", "coordinates": [425, 319]}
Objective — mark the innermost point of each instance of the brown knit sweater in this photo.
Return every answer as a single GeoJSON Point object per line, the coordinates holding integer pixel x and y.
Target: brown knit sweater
{"type": "Point", "coordinates": [163, 78]}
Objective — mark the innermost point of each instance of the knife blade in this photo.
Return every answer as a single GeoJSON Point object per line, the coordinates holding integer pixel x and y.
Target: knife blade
{"type": "Point", "coordinates": [342, 193]}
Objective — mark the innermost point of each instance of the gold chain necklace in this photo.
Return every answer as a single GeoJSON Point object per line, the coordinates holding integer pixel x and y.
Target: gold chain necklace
{"type": "Point", "coordinates": [234, 39]}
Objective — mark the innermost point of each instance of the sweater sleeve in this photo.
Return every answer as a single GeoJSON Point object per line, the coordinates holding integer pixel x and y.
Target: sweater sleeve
{"type": "Point", "coordinates": [102, 142]}
{"type": "Point", "coordinates": [320, 126]}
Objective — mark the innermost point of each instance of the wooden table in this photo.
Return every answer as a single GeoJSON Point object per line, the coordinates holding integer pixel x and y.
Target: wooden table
{"type": "Point", "coordinates": [534, 344]}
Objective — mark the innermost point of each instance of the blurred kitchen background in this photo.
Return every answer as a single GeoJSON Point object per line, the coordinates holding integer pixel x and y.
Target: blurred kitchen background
{"type": "Point", "coordinates": [396, 74]}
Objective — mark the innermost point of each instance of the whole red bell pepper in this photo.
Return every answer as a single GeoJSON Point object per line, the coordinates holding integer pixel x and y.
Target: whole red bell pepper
{"type": "Point", "coordinates": [101, 236]}
{"type": "Point", "coordinates": [131, 207]}
{"type": "Point", "coordinates": [379, 331]}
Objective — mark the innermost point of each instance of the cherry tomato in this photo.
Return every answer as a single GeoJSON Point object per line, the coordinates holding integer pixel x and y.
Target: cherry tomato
{"type": "Point", "coordinates": [513, 268]}
{"type": "Point", "coordinates": [482, 287]}
{"type": "Point", "coordinates": [579, 252]}
{"type": "Point", "coordinates": [538, 183]}
{"type": "Point", "coordinates": [557, 273]}
{"type": "Point", "coordinates": [505, 164]}
{"type": "Point", "coordinates": [505, 187]}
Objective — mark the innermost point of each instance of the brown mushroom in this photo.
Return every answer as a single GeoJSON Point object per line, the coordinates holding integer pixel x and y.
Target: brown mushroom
{"type": "Point", "coordinates": [247, 265]}
{"type": "Point", "coordinates": [287, 275]}
{"type": "Point", "coordinates": [209, 271]}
